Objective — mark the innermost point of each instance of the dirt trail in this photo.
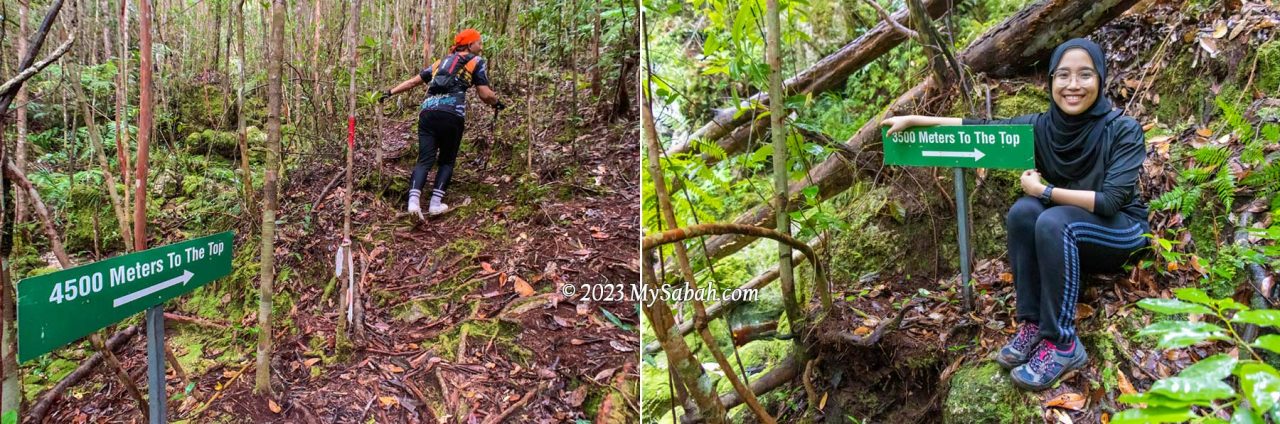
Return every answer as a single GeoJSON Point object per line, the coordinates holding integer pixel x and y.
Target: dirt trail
{"type": "Point", "coordinates": [447, 338]}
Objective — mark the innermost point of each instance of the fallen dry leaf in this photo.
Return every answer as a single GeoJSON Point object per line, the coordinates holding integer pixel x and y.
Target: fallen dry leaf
{"type": "Point", "coordinates": [488, 269]}
{"type": "Point", "coordinates": [275, 408]}
{"type": "Point", "coordinates": [311, 362]}
{"type": "Point", "coordinates": [576, 397]}
{"type": "Point", "coordinates": [522, 287]}
{"type": "Point", "coordinates": [1123, 382]}
{"type": "Point", "coordinates": [1072, 401]}
{"type": "Point", "coordinates": [1083, 311]}
{"type": "Point", "coordinates": [1219, 29]}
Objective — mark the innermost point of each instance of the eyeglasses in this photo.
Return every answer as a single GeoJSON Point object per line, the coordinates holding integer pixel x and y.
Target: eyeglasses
{"type": "Point", "coordinates": [1083, 77]}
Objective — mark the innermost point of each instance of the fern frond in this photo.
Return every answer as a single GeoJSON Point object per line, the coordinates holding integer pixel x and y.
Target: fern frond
{"type": "Point", "coordinates": [1211, 156]}
{"type": "Point", "coordinates": [1224, 185]}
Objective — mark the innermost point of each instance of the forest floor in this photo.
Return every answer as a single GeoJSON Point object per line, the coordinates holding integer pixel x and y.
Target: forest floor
{"type": "Point", "coordinates": [447, 336]}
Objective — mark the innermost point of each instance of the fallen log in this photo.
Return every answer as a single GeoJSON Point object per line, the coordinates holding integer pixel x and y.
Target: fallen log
{"type": "Point", "coordinates": [827, 74]}
{"type": "Point", "coordinates": [52, 395]}
{"type": "Point", "coordinates": [784, 372]}
{"type": "Point", "coordinates": [1013, 47]}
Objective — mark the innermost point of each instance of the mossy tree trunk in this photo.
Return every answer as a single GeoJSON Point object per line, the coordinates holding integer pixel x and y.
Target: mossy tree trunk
{"type": "Point", "coordinates": [241, 132]}
{"type": "Point", "coordinates": [275, 59]}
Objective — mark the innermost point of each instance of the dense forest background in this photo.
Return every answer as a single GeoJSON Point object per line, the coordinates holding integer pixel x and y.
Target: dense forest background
{"type": "Point", "coordinates": [246, 112]}
{"type": "Point", "coordinates": [894, 342]}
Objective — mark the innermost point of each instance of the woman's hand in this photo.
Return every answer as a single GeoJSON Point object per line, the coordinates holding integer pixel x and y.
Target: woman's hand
{"type": "Point", "coordinates": [899, 123]}
{"type": "Point", "coordinates": [1031, 183]}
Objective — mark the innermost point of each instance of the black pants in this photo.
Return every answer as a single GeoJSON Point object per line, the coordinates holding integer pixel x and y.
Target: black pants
{"type": "Point", "coordinates": [1048, 246]}
{"type": "Point", "coordinates": [439, 133]}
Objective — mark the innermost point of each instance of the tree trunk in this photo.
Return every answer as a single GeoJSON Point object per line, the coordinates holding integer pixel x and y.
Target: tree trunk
{"type": "Point", "coordinates": [830, 73]}
{"type": "Point", "coordinates": [11, 389]}
{"type": "Point", "coordinates": [20, 152]}
{"type": "Point", "coordinates": [595, 51]}
{"type": "Point", "coordinates": [122, 109]}
{"type": "Point", "coordinates": [1026, 38]}
{"type": "Point", "coordinates": [275, 59]}
{"type": "Point", "coordinates": [773, 51]}
{"type": "Point", "coordinates": [242, 134]}
{"type": "Point", "coordinates": [117, 204]}
{"type": "Point", "coordinates": [426, 35]}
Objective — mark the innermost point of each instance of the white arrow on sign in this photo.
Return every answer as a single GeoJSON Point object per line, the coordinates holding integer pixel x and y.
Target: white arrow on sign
{"type": "Point", "coordinates": [181, 279]}
{"type": "Point", "coordinates": [975, 154]}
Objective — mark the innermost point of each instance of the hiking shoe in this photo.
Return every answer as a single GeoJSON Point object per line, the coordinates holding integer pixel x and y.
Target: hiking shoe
{"type": "Point", "coordinates": [437, 208]}
{"type": "Point", "coordinates": [1018, 351]}
{"type": "Point", "coordinates": [1049, 363]}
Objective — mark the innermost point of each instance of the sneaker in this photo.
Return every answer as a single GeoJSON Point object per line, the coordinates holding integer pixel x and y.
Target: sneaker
{"type": "Point", "coordinates": [1018, 351]}
{"type": "Point", "coordinates": [437, 208]}
{"type": "Point", "coordinates": [415, 209]}
{"type": "Point", "coordinates": [1049, 363]}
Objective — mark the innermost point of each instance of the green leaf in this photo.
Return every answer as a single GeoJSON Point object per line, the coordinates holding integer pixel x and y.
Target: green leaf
{"type": "Point", "coordinates": [1172, 306]}
{"type": "Point", "coordinates": [617, 322]}
{"type": "Point", "coordinates": [1261, 385]}
{"type": "Point", "coordinates": [1194, 295]}
{"type": "Point", "coordinates": [1153, 400]}
{"type": "Point", "coordinates": [1245, 415]}
{"type": "Point", "coordinates": [1266, 317]}
{"type": "Point", "coordinates": [1197, 390]}
{"type": "Point", "coordinates": [9, 417]}
{"type": "Point", "coordinates": [1269, 342]}
{"type": "Point", "coordinates": [1215, 367]}
{"type": "Point", "coordinates": [1175, 334]}
{"type": "Point", "coordinates": [1153, 415]}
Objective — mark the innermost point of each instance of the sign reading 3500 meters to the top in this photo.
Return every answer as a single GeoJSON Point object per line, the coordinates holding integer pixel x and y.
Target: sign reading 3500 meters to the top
{"type": "Point", "coordinates": [58, 308]}
{"type": "Point", "coordinates": [962, 146]}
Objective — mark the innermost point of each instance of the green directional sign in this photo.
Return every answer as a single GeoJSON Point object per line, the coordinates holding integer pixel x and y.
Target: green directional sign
{"type": "Point", "coordinates": [962, 146]}
{"type": "Point", "coordinates": [59, 308]}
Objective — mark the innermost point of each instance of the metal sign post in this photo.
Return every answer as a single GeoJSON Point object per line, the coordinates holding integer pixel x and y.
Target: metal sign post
{"type": "Point", "coordinates": [155, 365]}
{"type": "Point", "coordinates": [958, 147]}
{"type": "Point", "coordinates": [59, 308]}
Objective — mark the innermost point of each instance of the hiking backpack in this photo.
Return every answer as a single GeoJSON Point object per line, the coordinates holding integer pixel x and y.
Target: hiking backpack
{"type": "Point", "coordinates": [452, 74]}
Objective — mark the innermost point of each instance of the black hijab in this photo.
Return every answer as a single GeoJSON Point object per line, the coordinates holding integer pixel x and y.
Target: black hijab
{"type": "Point", "coordinates": [1067, 146]}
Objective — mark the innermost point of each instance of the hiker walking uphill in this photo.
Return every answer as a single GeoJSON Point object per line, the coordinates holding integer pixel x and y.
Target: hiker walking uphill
{"type": "Point", "coordinates": [442, 116]}
{"type": "Point", "coordinates": [1087, 217]}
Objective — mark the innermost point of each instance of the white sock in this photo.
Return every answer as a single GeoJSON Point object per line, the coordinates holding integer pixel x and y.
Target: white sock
{"type": "Point", "coordinates": [436, 196]}
{"type": "Point", "coordinates": [414, 196]}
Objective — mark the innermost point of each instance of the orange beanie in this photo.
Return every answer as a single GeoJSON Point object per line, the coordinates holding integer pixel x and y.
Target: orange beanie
{"type": "Point", "coordinates": [467, 36]}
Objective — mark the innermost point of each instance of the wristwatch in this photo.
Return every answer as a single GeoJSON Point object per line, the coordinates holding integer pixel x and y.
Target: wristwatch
{"type": "Point", "coordinates": [1046, 197]}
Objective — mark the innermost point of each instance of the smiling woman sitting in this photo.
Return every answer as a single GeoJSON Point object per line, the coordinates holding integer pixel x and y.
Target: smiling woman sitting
{"type": "Point", "coordinates": [1088, 216]}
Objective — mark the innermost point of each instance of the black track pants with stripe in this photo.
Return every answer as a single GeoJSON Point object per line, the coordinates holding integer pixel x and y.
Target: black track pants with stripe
{"type": "Point", "coordinates": [1048, 247]}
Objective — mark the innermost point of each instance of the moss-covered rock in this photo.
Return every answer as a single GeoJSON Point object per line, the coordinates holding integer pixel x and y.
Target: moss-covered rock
{"type": "Point", "coordinates": [225, 144]}
{"type": "Point", "coordinates": [983, 393]}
